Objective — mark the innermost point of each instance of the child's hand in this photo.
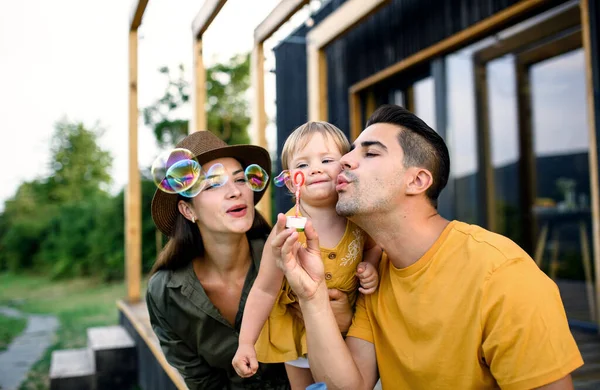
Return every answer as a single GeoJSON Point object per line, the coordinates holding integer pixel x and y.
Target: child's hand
{"type": "Point", "coordinates": [368, 278]}
{"type": "Point", "coordinates": [244, 361]}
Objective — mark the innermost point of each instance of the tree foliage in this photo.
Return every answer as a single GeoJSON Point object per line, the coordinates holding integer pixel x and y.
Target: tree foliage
{"type": "Point", "coordinates": [226, 103]}
{"type": "Point", "coordinates": [79, 167]}
{"type": "Point", "coordinates": [68, 224]}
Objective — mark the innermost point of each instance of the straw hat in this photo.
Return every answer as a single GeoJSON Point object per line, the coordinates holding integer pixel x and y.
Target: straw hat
{"type": "Point", "coordinates": [206, 147]}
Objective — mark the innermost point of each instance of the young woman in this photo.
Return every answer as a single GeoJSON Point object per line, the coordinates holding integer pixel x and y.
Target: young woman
{"type": "Point", "coordinates": [200, 281]}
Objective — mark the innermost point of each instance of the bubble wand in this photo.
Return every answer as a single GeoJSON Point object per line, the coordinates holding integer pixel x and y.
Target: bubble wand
{"type": "Point", "coordinates": [298, 182]}
{"type": "Point", "coordinates": [296, 222]}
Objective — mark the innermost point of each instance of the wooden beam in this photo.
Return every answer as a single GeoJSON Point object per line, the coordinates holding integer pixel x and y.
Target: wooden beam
{"type": "Point", "coordinates": [317, 84]}
{"type": "Point", "coordinates": [453, 42]}
{"type": "Point", "coordinates": [560, 22]}
{"type": "Point", "coordinates": [206, 15]}
{"type": "Point", "coordinates": [355, 116]}
{"type": "Point", "coordinates": [259, 116]}
{"type": "Point", "coordinates": [564, 44]}
{"type": "Point", "coordinates": [527, 178]}
{"type": "Point", "coordinates": [278, 16]}
{"type": "Point", "coordinates": [198, 119]}
{"type": "Point", "coordinates": [133, 196]}
{"type": "Point", "coordinates": [486, 187]}
{"type": "Point", "coordinates": [135, 16]}
{"type": "Point", "coordinates": [370, 104]}
{"type": "Point", "coordinates": [593, 151]}
{"type": "Point", "coordinates": [343, 19]}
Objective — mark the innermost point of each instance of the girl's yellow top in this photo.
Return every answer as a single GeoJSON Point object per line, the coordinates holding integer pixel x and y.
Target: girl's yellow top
{"type": "Point", "coordinates": [283, 337]}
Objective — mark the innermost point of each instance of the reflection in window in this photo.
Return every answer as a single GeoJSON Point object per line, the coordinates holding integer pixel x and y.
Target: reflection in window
{"type": "Point", "coordinates": [424, 97]}
{"type": "Point", "coordinates": [561, 142]}
{"type": "Point", "coordinates": [504, 146]}
{"type": "Point", "coordinates": [461, 135]}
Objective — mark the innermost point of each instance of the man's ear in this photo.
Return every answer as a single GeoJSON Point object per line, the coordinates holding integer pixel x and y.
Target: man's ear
{"type": "Point", "coordinates": [420, 180]}
{"type": "Point", "coordinates": [186, 210]}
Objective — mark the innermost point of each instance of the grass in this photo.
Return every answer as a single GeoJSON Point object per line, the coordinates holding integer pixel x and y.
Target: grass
{"type": "Point", "coordinates": [77, 303]}
{"type": "Point", "coordinates": [9, 329]}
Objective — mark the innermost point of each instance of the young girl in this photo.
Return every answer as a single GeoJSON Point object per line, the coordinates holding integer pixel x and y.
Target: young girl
{"type": "Point", "coordinates": [348, 254]}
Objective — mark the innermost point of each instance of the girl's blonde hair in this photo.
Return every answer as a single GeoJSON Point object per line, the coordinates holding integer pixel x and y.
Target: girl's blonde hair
{"type": "Point", "coordinates": [302, 135]}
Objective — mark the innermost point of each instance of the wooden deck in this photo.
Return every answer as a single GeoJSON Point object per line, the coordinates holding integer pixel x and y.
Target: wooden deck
{"type": "Point", "coordinates": [585, 378]}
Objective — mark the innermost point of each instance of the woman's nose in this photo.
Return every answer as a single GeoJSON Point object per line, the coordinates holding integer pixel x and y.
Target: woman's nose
{"type": "Point", "coordinates": [233, 190]}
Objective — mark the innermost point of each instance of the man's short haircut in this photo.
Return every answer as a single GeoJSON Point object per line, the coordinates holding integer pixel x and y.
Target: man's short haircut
{"type": "Point", "coordinates": [300, 137]}
{"type": "Point", "coordinates": [422, 146]}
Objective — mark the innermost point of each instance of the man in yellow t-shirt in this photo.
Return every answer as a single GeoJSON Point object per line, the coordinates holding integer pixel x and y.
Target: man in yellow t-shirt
{"type": "Point", "coordinates": [458, 307]}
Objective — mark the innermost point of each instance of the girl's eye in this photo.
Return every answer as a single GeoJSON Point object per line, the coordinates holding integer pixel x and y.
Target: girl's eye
{"type": "Point", "coordinates": [327, 161]}
{"type": "Point", "coordinates": [302, 165]}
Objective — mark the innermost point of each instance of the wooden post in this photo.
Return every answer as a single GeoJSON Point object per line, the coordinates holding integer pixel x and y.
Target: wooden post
{"type": "Point", "coordinates": [198, 119]}
{"type": "Point", "coordinates": [133, 219]}
{"type": "Point", "coordinates": [593, 151]}
{"type": "Point", "coordinates": [259, 116]}
{"type": "Point", "coordinates": [355, 116]}
{"type": "Point", "coordinates": [317, 83]}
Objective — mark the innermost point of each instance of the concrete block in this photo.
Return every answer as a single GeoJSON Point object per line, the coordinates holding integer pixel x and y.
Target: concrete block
{"type": "Point", "coordinates": [114, 350]}
{"type": "Point", "coordinates": [72, 369]}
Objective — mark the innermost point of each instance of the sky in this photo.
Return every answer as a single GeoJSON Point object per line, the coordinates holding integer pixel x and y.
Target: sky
{"type": "Point", "coordinates": [68, 59]}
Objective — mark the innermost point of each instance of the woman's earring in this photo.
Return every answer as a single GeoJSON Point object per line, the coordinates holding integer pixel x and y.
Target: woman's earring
{"type": "Point", "coordinates": [193, 219]}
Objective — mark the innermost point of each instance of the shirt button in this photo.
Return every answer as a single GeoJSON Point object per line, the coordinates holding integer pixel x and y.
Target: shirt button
{"type": "Point", "coordinates": [331, 256]}
{"type": "Point", "coordinates": [328, 275]}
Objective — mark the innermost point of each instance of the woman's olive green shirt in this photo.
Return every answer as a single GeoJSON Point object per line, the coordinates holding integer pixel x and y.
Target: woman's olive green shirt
{"type": "Point", "coordinates": [196, 339]}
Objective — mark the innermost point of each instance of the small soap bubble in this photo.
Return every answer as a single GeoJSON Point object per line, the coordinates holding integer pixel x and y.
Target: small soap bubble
{"type": "Point", "coordinates": [256, 177]}
{"type": "Point", "coordinates": [176, 170]}
{"type": "Point", "coordinates": [283, 177]}
{"type": "Point", "coordinates": [183, 174]}
{"type": "Point", "coordinates": [215, 177]}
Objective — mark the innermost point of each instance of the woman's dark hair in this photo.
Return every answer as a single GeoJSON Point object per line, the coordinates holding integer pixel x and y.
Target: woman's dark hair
{"type": "Point", "coordinates": [186, 242]}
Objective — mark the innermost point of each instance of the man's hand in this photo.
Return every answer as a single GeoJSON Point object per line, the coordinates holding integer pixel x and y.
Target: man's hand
{"type": "Point", "coordinates": [244, 362]}
{"type": "Point", "coordinates": [302, 266]}
{"type": "Point", "coordinates": [339, 306]}
{"type": "Point", "coordinates": [368, 278]}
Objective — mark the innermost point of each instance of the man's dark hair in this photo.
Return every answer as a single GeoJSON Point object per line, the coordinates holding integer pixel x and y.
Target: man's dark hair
{"type": "Point", "coordinates": [422, 146]}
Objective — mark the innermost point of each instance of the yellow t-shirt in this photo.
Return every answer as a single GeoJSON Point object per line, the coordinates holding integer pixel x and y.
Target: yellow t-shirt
{"type": "Point", "coordinates": [283, 338]}
{"type": "Point", "coordinates": [474, 312]}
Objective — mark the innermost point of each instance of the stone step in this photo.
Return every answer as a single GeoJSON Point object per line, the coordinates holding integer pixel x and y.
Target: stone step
{"type": "Point", "coordinates": [115, 356]}
{"type": "Point", "coordinates": [72, 369]}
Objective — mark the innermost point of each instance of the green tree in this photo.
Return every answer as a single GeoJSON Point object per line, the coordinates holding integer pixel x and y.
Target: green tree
{"type": "Point", "coordinates": [47, 220]}
{"type": "Point", "coordinates": [226, 103]}
{"type": "Point", "coordinates": [79, 167]}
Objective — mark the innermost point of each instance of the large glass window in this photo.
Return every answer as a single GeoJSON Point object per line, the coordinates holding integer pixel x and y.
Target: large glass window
{"type": "Point", "coordinates": [424, 100]}
{"type": "Point", "coordinates": [504, 146]}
